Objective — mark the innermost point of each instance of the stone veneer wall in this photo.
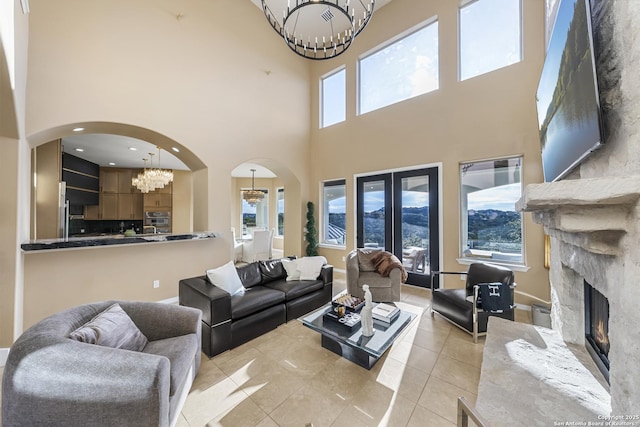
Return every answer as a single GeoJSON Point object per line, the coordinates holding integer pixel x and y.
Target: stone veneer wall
{"type": "Point", "coordinates": [593, 216]}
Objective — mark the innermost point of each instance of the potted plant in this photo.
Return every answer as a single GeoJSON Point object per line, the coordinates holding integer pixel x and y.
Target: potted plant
{"type": "Point", "coordinates": [311, 234]}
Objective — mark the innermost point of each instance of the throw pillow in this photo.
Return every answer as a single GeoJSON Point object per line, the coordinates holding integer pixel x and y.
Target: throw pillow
{"type": "Point", "coordinates": [291, 266]}
{"type": "Point", "coordinates": [310, 267]}
{"type": "Point", "coordinates": [111, 328]}
{"type": "Point", "coordinates": [226, 277]}
{"type": "Point", "coordinates": [365, 255]}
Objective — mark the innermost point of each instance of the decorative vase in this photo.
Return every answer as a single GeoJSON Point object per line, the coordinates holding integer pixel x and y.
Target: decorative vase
{"type": "Point", "coordinates": [366, 316]}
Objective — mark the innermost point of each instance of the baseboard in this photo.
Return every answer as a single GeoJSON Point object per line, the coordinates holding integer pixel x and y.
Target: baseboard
{"type": "Point", "coordinates": [173, 300]}
{"type": "Point", "coordinates": [4, 353]}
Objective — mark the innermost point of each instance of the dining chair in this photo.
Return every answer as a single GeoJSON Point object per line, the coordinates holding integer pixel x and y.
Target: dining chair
{"type": "Point", "coordinates": [259, 248]}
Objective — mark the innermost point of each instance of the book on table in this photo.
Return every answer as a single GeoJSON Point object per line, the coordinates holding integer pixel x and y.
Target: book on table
{"type": "Point", "coordinates": [385, 312]}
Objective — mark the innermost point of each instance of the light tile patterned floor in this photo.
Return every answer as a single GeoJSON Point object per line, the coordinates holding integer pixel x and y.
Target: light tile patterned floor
{"type": "Point", "coordinates": [285, 378]}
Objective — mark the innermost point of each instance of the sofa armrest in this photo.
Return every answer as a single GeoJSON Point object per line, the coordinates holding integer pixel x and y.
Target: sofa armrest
{"type": "Point", "coordinates": [213, 302]}
{"type": "Point", "coordinates": [326, 274]}
{"type": "Point", "coordinates": [353, 271]}
{"type": "Point", "coordinates": [73, 383]}
{"type": "Point", "coordinates": [159, 321]}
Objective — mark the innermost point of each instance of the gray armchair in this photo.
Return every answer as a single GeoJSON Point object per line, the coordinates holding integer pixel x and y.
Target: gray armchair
{"type": "Point", "coordinates": [360, 271]}
{"type": "Point", "coordinates": [50, 379]}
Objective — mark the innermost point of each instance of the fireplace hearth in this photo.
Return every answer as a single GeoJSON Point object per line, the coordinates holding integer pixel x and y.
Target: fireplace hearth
{"type": "Point", "coordinates": [596, 322]}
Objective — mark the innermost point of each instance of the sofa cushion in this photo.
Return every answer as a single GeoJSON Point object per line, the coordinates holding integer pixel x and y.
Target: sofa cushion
{"type": "Point", "coordinates": [226, 277]}
{"type": "Point", "coordinates": [253, 300]}
{"type": "Point", "coordinates": [180, 351]}
{"type": "Point", "coordinates": [250, 274]}
{"type": "Point", "coordinates": [291, 268]}
{"type": "Point", "coordinates": [111, 328]}
{"type": "Point", "coordinates": [272, 270]}
{"type": "Point", "coordinates": [295, 289]}
{"type": "Point", "coordinates": [310, 267]}
{"type": "Point", "coordinates": [365, 262]}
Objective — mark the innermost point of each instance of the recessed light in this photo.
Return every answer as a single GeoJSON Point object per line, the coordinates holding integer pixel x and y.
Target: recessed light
{"type": "Point", "coordinates": [176, 149]}
{"type": "Point", "coordinates": [133, 149]}
{"type": "Point", "coordinates": [78, 129]}
{"type": "Point", "coordinates": [111, 164]}
{"type": "Point", "coordinates": [79, 150]}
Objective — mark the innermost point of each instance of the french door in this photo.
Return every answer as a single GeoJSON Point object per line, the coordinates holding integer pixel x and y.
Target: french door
{"type": "Point", "coordinates": [398, 212]}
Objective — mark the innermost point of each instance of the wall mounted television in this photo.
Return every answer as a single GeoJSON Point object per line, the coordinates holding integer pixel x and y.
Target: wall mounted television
{"type": "Point", "coordinates": [567, 98]}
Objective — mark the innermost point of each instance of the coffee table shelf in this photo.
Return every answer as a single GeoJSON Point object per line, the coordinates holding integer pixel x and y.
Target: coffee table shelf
{"type": "Point", "coordinates": [351, 344]}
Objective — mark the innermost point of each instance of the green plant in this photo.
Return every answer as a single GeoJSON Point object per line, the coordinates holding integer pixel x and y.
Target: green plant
{"type": "Point", "coordinates": [311, 234]}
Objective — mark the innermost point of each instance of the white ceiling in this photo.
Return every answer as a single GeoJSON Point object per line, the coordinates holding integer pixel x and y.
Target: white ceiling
{"type": "Point", "coordinates": [105, 149]}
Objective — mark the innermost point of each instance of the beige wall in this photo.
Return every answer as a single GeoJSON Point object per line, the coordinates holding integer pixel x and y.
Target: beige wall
{"type": "Point", "coordinates": [488, 116]}
{"type": "Point", "coordinates": [228, 94]}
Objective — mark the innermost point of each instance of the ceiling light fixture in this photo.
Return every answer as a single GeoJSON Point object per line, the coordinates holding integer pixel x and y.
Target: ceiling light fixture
{"type": "Point", "coordinates": [78, 129]}
{"type": "Point", "coordinates": [79, 150]}
{"type": "Point", "coordinates": [318, 29]}
{"type": "Point", "coordinates": [176, 149]}
{"type": "Point", "coordinates": [152, 178]}
{"type": "Point", "coordinates": [253, 196]}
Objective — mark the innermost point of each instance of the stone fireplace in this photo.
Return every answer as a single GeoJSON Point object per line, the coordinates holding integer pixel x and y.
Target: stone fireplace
{"type": "Point", "coordinates": [593, 216]}
{"type": "Point", "coordinates": [594, 225]}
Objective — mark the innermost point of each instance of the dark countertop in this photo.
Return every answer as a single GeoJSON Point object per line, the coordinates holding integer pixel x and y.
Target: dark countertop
{"type": "Point", "coordinates": [110, 240]}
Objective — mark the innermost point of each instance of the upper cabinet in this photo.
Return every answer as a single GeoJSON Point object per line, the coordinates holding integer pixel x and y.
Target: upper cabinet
{"type": "Point", "coordinates": [82, 180]}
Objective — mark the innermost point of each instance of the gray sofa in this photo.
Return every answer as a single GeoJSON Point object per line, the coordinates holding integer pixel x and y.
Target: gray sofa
{"type": "Point", "coordinates": [50, 379]}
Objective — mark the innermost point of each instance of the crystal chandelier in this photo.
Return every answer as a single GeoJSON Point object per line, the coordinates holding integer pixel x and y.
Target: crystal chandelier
{"type": "Point", "coordinates": [152, 178]}
{"type": "Point", "coordinates": [318, 29]}
{"type": "Point", "coordinates": [253, 196]}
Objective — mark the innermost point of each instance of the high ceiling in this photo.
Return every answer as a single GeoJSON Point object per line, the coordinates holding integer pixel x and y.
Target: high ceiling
{"type": "Point", "coordinates": [126, 152]}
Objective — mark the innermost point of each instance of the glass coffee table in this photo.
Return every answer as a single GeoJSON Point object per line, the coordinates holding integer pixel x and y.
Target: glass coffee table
{"type": "Point", "coordinates": [351, 344]}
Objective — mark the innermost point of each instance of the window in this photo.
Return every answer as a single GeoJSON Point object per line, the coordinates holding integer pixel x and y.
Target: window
{"type": "Point", "coordinates": [333, 90]}
{"type": "Point", "coordinates": [334, 213]}
{"type": "Point", "coordinates": [491, 227]}
{"type": "Point", "coordinates": [280, 209]}
{"type": "Point", "coordinates": [490, 36]}
{"type": "Point", "coordinates": [405, 68]}
{"type": "Point", "coordinates": [255, 216]}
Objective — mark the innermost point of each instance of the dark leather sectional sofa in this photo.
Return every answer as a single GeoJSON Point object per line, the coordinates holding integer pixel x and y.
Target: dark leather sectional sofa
{"type": "Point", "coordinates": [270, 300]}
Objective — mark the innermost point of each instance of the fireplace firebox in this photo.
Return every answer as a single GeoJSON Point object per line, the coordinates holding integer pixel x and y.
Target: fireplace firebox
{"type": "Point", "coordinates": [596, 324]}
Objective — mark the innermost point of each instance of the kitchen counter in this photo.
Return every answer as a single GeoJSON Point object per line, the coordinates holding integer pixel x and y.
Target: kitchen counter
{"type": "Point", "coordinates": [110, 240]}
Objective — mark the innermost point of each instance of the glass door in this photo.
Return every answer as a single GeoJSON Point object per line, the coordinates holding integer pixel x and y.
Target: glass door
{"type": "Point", "coordinates": [398, 212]}
{"type": "Point", "coordinates": [374, 217]}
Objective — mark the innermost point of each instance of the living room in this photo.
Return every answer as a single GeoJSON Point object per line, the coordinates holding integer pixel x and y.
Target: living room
{"type": "Point", "coordinates": [215, 79]}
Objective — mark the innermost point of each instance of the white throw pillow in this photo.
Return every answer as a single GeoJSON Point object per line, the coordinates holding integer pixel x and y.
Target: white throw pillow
{"type": "Point", "coordinates": [291, 266]}
{"type": "Point", "coordinates": [226, 277]}
{"type": "Point", "coordinates": [310, 267]}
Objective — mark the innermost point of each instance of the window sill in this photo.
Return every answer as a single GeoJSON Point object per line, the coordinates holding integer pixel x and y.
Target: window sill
{"type": "Point", "coordinates": [512, 266]}
{"type": "Point", "coordinates": [327, 246]}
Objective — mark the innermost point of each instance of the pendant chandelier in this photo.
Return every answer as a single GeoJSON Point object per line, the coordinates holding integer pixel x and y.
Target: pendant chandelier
{"type": "Point", "coordinates": [152, 178]}
{"type": "Point", "coordinates": [318, 29]}
{"type": "Point", "coordinates": [253, 196]}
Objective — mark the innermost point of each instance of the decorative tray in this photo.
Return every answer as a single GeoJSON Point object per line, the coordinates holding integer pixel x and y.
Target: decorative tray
{"type": "Point", "coordinates": [349, 320]}
{"type": "Point", "coordinates": [349, 302]}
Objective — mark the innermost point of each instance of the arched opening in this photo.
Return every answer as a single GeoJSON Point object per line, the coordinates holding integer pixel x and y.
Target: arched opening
{"type": "Point", "coordinates": [281, 210]}
{"type": "Point", "coordinates": [47, 205]}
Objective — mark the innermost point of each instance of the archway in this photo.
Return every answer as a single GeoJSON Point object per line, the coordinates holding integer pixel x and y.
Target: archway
{"type": "Point", "coordinates": [293, 206]}
{"type": "Point", "coordinates": [196, 218]}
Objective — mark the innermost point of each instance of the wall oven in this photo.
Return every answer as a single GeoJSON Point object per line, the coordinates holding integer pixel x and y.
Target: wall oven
{"type": "Point", "coordinates": [161, 220]}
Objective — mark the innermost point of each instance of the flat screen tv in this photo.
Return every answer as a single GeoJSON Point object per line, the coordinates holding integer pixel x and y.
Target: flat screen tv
{"type": "Point", "coordinates": [567, 97]}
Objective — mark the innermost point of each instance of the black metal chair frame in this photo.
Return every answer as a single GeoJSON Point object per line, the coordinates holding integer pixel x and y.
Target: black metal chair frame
{"type": "Point", "coordinates": [474, 303]}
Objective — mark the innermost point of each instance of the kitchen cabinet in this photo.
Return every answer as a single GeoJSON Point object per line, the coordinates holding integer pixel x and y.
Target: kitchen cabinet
{"type": "Point", "coordinates": [108, 180]}
{"type": "Point", "coordinates": [159, 200]}
{"type": "Point", "coordinates": [109, 206]}
{"type": "Point", "coordinates": [130, 206]}
{"type": "Point", "coordinates": [92, 212]}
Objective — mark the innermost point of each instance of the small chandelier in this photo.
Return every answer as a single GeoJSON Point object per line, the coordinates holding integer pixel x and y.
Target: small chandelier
{"type": "Point", "coordinates": [253, 196]}
{"type": "Point", "coordinates": [152, 178]}
{"type": "Point", "coordinates": [318, 29]}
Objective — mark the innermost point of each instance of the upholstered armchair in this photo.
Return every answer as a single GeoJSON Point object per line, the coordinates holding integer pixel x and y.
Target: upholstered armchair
{"type": "Point", "coordinates": [462, 307]}
{"type": "Point", "coordinates": [362, 271]}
